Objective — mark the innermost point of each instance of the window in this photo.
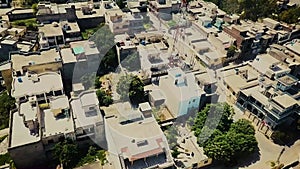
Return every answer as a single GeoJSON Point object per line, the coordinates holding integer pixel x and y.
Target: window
{"type": "Point", "coordinates": [194, 100]}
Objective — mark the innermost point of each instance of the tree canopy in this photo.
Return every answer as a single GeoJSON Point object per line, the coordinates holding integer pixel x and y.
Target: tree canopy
{"type": "Point", "coordinates": [131, 88]}
{"type": "Point", "coordinates": [291, 15]}
{"type": "Point", "coordinates": [104, 98]}
{"type": "Point", "coordinates": [249, 9]}
{"type": "Point", "coordinates": [66, 152]}
{"type": "Point", "coordinates": [221, 138]}
{"type": "Point", "coordinates": [6, 104]}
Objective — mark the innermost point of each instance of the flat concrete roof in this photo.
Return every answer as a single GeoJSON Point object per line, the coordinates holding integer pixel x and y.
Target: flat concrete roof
{"type": "Point", "coordinates": [145, 106]}
{"type": "Point", "coordinates": [231, 78]}
{"type": "Point", "coordinates": [205, 78]}
{"type": "Point", "coordinates": [22, 11]}
{"type": "Point", "coordinates": [89, 48]}
{"type": "Point", "coordinates": [54, 125]}
{"type": "Point", "coordinates": [8, 42]}
{"type": "Point", "coordinates": [185, 89]}
{"type": "Point", "coordinates": [51, 30]}
{"type": "Point", "coordinates": [5, 66]}
{"type": "Point", "coordinates": [285, 100]}
{"type": "Point", "coordinates": [133, 145]}
{"type": "Point", "coordinates": [294, 47]}
{"type": "Point", "coordinates": [48, 81]}
{"type": "Point", "coordinates": [287, 80]}
{"type": "Point", "coordinates": [98, 13]}
{"type": "Point", "coordinates": [67, 56]}
{"type": "Point", "coordinates": [86, 102]}
{"type": "Point", "coordinates": [20, 134]}
{"type": "Point", "coordinates": [20, 60]}
{"type": "Point", "coordinates": [157, 95]}
{"type": "Point", "coordinates": [263, 62]}
{"type": "Point", "coordinates": [74, 28]}
{"type": "Point", "coordinates": [256, 94]}
{"type": "Point", "coordinates": [29, 112]}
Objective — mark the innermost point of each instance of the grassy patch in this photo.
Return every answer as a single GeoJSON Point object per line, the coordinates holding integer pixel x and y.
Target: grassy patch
{"type": "Point", "coordinates": [89, 32]}
{"type": "Point", "coordinates": [31, 24]}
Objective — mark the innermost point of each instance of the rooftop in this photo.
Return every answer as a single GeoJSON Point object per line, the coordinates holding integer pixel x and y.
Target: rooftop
{"type": "Point", "coordinates": [20, 134]}
{"type": "Point", "coordinates": [186, 86]}
{"type": "Point", "coordinates": [51, 30]}
{"type": "Point", "coordinates": [45, 82]}
{"type": "Point", "coordinates": [246, 77]}
{"type": "Point", "coordinates": [88, 47]}
{"type": "Point", "coordinates": [86, 109]}
{"type": "Point", "coordinates": [287, 80]}
{"type": "Point", "coordinates": [67, 56]}
{"type": "Point", "coordinates": [21, 60]}
{"type": "Point", "coordinates": [71, 27]}
{"type": "Point", "coordinates": [133, 145]}
{"type": "Point", "coordinates": [285, 101]}
{"type": "Point", "coordinates": [256, 94]}
{"type": "Point", "coordinates": [294, 46]}
{"type": "Point", "coordinates": [264, 62]}
{"type": "Point", "coordinates": [22, 11]}
{"type": "Point", "coordinates": [8, 42]}
{"type": "Point", "coordinates": [58, 124]}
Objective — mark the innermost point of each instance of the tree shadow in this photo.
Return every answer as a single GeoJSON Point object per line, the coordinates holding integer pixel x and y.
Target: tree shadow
{"type": "Point", "coordinates": [286, 134]}
{"type": "Point", "coordinates": [243, 161]}
{"type": "Point", "coordinates": [248, 160]}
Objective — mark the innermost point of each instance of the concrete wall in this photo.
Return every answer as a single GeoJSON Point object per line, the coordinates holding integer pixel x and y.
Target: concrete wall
{"type": "Point", "coordinates": [7, 76]}
{"type": "Point", "coordinates": [86, 23]}
{"type": "Point", "coordinates": [18, 16]}
{"type": "Point", "coordinates": [27, 156]}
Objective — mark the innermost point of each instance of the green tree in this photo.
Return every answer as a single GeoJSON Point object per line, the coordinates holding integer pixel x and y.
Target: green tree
{"type": "Point", "coordinates": [221, 138]}
{"type": "Point", "coordinates": [231, 51]}
{"type": "Point", "coordinates": [131, 88]}
{"type": "Point", "coordinates": [93, 155]}
{"type": "Point", "coordinates": [97, 83]}
{"type": "Point", "coordinates": [220, 116]}
{"type": "Point", "coordinates": [235, 143]}
{"type": "Point", "coordinates": [7, 103]}
{"type": "Point", "coordinates": [34, 8]}
{"type": "Point", "coordinates": [290, 16]}
{"type": "Point", "coordinates": [104, 98]}
{"type": "Point", "coordinates": [65, 152]}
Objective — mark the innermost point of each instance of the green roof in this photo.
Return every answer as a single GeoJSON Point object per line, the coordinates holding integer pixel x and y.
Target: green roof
{"type": "Point", "coordinates": [78, 50]}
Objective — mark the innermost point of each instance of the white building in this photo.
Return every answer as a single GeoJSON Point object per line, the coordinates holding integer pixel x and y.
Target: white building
{"type": "Point", "coordinates": [135, 141]}
{"type": "Point", "coordinates": [183, 95]}
{"type": "Point", "coordinates": [87, 117]}
{"type": "Point", "coordinates": [42, 86]}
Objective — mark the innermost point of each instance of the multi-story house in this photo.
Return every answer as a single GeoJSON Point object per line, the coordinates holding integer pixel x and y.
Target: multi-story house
{"type": "Point", "coordinates": [181, 91]}
{"type": "Point", "coordinates": [89, 124]}
{"type": "Point", "coordinates": [139, 149]}
{"type": "Point", "coordinates": [41, 119]}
